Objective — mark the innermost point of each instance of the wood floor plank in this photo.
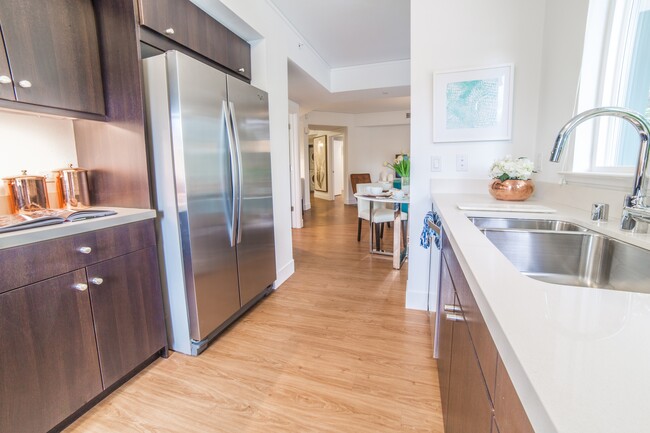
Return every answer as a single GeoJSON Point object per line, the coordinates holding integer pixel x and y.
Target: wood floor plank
{"type": "Point", "coordinates": [332, 350]}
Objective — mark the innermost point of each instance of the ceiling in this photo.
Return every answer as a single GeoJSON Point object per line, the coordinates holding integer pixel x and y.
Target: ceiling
{"type": "Point", "coordinates": [349, 33]}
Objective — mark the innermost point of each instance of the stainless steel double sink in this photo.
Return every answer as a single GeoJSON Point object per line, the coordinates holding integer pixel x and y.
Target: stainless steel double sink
{"type": "Point", "coordinates": [562, 252]}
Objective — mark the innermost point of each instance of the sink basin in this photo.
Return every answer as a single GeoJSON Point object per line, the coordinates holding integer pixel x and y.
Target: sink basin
{"type": "Point", "coordinates": [527, 224]}
{"type": "Point", "coordinates": [575, 258]}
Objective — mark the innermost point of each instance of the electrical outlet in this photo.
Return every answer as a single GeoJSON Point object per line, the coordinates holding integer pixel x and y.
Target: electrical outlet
{"type": "Point", "coordinates": [461, 162]}
{"type": "Point", "coordinates": [436, 165]}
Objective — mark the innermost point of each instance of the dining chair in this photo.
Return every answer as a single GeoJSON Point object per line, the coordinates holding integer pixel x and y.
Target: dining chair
{"type": "Point", "coordinates": [380, 215]}
{"type": "Point", "coordinates": [357, 178]}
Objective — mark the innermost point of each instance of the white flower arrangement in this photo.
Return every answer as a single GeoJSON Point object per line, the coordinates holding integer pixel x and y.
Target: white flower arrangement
{"type": "Point", "coordinates": [512, 168]}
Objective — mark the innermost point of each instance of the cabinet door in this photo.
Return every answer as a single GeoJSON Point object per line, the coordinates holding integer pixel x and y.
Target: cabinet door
{"type": "Point", "coordinates": [445, 336]}
{"type": "Point", "coordinates": [6, 83]}
{"type": "Point", "coordinates": [239, 55]}
{"type": "Point", "coordinates": [481, 338]}
{"type": "Point", "coordinates": [508, 409]}
{"type": "Point", "coordinates": [127, 309]}
{"type": "Point", "coordinates": [469, 408]}
{"type": "Point", "coordinates": [53, 51]}
{"type": "Point", "coordinates": [185, 23]}
{"type": "Point", "coordinates": [48, 357]}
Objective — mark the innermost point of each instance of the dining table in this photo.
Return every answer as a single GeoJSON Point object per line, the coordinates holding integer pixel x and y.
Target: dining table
{"type": "Point", "coordinates": [400, 249]}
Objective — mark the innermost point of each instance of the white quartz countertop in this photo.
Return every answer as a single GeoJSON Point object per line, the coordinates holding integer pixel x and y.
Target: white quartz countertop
{"type": "Point", "coordinates": [579, 357]}
{"type": "Point", "coordinates": [37, 234]}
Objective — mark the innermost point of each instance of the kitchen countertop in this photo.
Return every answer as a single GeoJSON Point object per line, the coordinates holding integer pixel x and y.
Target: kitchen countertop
{"type": "Point", "coordinates": [578, 357]}
{"type": "Point", "coordinates": [37, 234]}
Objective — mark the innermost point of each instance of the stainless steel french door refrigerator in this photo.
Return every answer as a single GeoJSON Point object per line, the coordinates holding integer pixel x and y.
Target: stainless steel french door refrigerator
{"type": "Point", "coordinates": [209, 146]}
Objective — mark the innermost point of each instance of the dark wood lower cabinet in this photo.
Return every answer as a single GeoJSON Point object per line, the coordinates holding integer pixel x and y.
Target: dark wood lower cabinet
{"type": "Point", "coordinates": [48, 356]}
{"type": "Point", "coordinates": [85, 324]}
{"type": "Point", "coordinates": [447, 298]}
{"type": "Point", "coordinates": [469, 408]}
{"type": "Point", "coordinates": [475, 389]}
{"type": "Point", "coordinates": [507, 406]}
{"type": "Point", "coordinates": [128, 313]}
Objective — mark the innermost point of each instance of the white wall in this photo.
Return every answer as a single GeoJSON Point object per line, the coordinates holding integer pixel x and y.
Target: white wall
{"type": "Point", "coordinates": [492, 33]}
{"type": "Point", "coordinates": [34, 143]}
{"type": "Point", "coordinates": [337, 159]}
{"type": "Point", "coordinates": [563, 42]}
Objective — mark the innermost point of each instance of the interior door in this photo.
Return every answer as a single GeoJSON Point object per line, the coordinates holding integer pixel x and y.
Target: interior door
{"type": "Point", "coordinates": [256, 249]}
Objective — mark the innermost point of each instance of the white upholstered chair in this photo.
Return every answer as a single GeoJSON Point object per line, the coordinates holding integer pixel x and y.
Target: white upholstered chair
{"type": "Point", "coordinates": [380, 215]}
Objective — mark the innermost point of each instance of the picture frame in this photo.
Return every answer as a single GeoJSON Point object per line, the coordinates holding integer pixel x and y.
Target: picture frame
{"type": "Point", "coordinates": [473, 104]}
{"type": "Point", "coordinates": [320, 163]}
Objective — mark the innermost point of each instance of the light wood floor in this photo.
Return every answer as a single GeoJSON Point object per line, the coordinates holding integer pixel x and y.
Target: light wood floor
{"type": "Point", "coordinates": [332, 350]}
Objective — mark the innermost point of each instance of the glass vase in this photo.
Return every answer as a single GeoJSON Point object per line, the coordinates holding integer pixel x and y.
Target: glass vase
{"type": "Point", "coordinates": [406, 184]}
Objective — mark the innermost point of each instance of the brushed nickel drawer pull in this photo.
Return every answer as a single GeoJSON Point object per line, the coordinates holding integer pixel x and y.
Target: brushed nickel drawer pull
{"type": "Point", "coordinates": [25, 84]}
{"type": "Point", "coordinates": [455, 317]}
{"type": "Point", "coordinates": [80, 286]}
{"type": "Point", "coordinates": [97, 281]}
{"type": "Point", "coordinates": [5, 79]}
{"type": "Point", "coordinates": [85, 250]}
{"type": "Point", "coordinates": [452, 308]}
{"type": "Point", "coordinates": [169, 31]}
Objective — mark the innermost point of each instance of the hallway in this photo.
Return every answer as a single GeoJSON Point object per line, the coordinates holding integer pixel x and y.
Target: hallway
{"type": "Point", "coordinates": [332, 350]}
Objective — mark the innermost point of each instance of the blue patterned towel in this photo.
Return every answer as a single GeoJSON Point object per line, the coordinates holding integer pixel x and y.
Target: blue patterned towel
{"type": "Point", "coordinates": [428, 233]}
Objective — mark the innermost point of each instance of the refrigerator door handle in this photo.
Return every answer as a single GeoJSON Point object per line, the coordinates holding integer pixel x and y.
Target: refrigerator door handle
{"type": "Point", "coordinates": [232, 233]}
{"type": "Point", "coordinates": [235, 134]}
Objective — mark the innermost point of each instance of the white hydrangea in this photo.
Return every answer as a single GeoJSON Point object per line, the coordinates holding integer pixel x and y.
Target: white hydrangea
{"type": "Point", "coordinates": [512, 168]}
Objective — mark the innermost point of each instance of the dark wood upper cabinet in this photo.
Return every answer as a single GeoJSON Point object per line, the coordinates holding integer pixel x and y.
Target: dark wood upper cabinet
{"type": "Point", "coordinates": [6, 83]}
{"type": "Point", "coordinates": [53, 53]}
{"type": "Point", "coordinates": [48, 356]}
{"type": "Point", "coordinates": [188, 25]}
{"type": "Point", "coordinates": [128, 312]}
{"type": "Point", "coordinates": [239, 55]}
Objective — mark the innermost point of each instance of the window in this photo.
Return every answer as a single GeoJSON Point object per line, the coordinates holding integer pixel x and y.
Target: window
{"type": "Point", "coordinates": [615, 72]}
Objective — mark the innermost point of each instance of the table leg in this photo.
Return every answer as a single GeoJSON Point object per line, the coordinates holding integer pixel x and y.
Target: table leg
{"type": "Point", "coordinates": [371, 231]}
{"type": "Point", "coordinates": [397, 238]}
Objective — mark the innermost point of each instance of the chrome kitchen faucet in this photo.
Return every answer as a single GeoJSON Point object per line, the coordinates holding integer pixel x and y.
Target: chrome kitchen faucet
{"type": "Point", "coordinates": [636, 214]}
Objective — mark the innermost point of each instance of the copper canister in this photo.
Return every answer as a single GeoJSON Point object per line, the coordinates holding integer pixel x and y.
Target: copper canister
{"type": "Point", "coordinates": [72, 187]}
{"type": "Point", "coordinates": [27, 193]}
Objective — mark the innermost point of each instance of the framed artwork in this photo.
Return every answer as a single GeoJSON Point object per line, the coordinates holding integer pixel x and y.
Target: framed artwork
{"type": "Point", "coordinates": [311, 167]}
{"type": "Point", "coordinates": [473, 104]}
{"type": "Point", "coordinates": [320, 163]}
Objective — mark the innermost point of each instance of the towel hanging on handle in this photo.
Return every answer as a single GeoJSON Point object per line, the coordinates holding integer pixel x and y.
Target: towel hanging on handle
{"type": "Point", "coordinates": [431, 230]}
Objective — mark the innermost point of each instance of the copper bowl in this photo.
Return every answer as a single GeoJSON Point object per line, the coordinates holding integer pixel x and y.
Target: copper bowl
{"type": "Point", "coordinates": [512, 190]}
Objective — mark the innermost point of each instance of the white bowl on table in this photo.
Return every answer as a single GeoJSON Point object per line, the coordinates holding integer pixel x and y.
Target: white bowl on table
{"type": "Point", "coordinates": [375, 190]}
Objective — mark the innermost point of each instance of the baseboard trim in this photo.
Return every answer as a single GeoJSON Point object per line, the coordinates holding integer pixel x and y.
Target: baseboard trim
{"type": "Point", "coordinates": [416, 300]}
{"type": "Point", "coordinates": [284, 273]}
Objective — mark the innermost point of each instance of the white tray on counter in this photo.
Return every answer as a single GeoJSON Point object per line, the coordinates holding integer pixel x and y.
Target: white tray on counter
{"type": "Point", "coordinates": [506, 207]}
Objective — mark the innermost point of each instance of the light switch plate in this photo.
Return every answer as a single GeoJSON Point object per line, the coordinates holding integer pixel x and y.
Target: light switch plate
{"type": "Point", "coordinates": [436, 164]}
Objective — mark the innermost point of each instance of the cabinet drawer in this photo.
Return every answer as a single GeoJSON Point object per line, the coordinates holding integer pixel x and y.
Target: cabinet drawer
{"type": "Point", "coordinates": [27, 264]}
{"type": "Point", "coordinates": [486, 350]}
